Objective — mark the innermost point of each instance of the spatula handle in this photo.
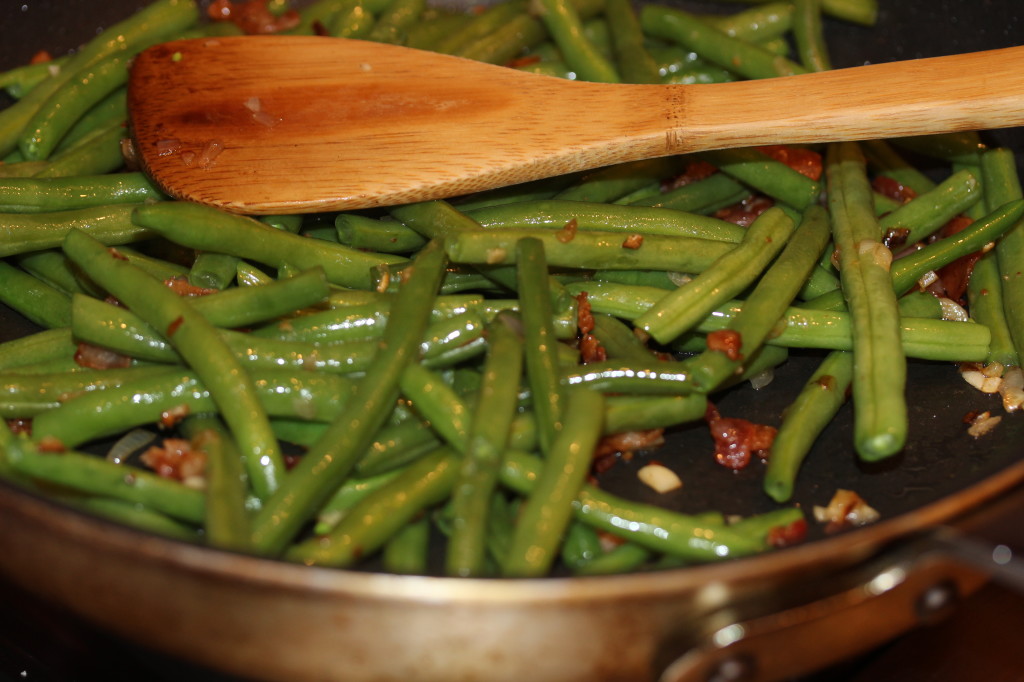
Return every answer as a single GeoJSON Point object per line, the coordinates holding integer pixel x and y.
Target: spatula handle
{"type": "Point", "coordinates": [943, 94]}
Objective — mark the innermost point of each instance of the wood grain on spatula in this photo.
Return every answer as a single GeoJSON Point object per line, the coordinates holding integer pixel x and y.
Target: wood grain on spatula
{"type": "Point", "coordinates": [276, 124]}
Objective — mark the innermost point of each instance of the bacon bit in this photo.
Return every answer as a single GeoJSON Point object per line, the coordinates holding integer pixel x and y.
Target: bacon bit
{"type": "Point", "coordinates": [50, 444]}
{"type": "Point", "coordinates": [181, 286]}
{"type": "Point", "coordinates": [319, 29]}
{"type": "Point", "coordinates": [169, 418]}
{"type": "Point", "coordinates": [291, 461]}
{"type": "Point", "coordinates": [954, 276]}
{"type": "Point", "coordinates": [609, 541]}
{"type": "Point", "coordinates": [115, 254]}
{"type": "Point", "coordinates": [94, 357]}
{"type": "Point", "coordinates": [892, 189]}
{"type": "Point", "coordinates": [629, 441]}
{"type": "Point", "coordinates": [805, 161]}
{"type": "Point", "coordinates": [568, 232]}
{"type": "Point", "coordinates": [591, 350]}
{"type": "Point", "coordinates": [847, 509]}
{"type": "Point", "coordinates": [633, 241]}
{"type": "Point", "coordinates": [173, 326]}
{"type": "Point", "coordinates": [252, 16]}
{"type": "Point", "coordinates": [896, 237]}
{"type": "Point", "coordinates": [176, 459]}
{"type": "Point", "coordinates": [528, 60]}
{"type": "Point", "coordinates": [20, 426]}
{"type": "Point", "coordinates": [695, 170]}
{"type": "Point", "coordinates": [41, 57]}
{"type": "Point", "coordinates": [737, 439]}
{"type": "Point", "coordinates": [726, 341]}
{"type": "Point", "coordinates": [745, 212]}
{"type": "Point", "coordinates": [584, 316]}
{"type": "Point", "coordinates": [787, 536]}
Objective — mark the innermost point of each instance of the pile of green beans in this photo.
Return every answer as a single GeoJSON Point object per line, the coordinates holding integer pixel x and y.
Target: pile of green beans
{"type": "Point", "coordinates": [367, 387]}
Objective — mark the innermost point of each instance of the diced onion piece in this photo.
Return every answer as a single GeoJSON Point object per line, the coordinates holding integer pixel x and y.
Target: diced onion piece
{"type": "Point", "coordinates": [679, 278]}
{"type": "Point", "coordinates": [129, 443]}
{"type": "Point", "coordinates": [659, 477]}
{"type": "Point", "coordinates": [762, 379]}
{"type": "Point", "coordinates": [1012, 389]}
{"type": "Point", "coordinates": [846, 509]}
{"type": "Point", "coordinates": [927, 279]}
{"type": "Point", "coordinates": [951, 310]}
{"type": "Point", "coordinates": [977, 378]}
{"type": "Point", "coordinates": [877, 251]}
{"type": "Point", "coordinates": [983, 424]}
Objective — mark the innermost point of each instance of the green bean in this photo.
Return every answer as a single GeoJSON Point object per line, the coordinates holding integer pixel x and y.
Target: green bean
{"type": "Point", "coordinates": [198, 342]}
{"type": "Point", "coordinates": [488, 436]}
{"type": "Point", "coordinates": [395, 19]}
{"type": "Point", "coordinates": [487, 21]}
{"type": "Point", "coordinates": [52, 267]}
{"type": "Point", "coordinates": [109, 112]}
{"type": "Point", "coordinates": [589, 249]}
{"type": "Point", "coordinates": [684, 308]}
{"type": "Point", "coordinates": [623, 558]}
{"type": "Point", "coordinates": [97, 152]}
{"type": "Point", "coordinates": [110, 224]}
{"type": "Point", "coordinates": [756, 169]}
{"type": "Point", "coordinates": [768, 301]}
{"type": "Point", "coordinates": [764, 22]}
{"type": "Point", "coordinates": [809, 37]}
{"type": "Point", "coordinates": [744, 58]}
{"type": "Point", "coordinates": [86, 88]}
{"type": "Point", "coordinates": [159, 20]}
{"type": "Point", "coordinates": [929, 211]}
{"type": "Point", "coordinates": [352, 20]}
{"type": "Point", "coordinates": [45, 345]}
{"type": "Point", "coordinates": [45, 305]}
{"type": "Point", "coordinates": [512, 38]}
{"type": "Point", "coordinates": [26, 395]}
{"type": "Point", "coordinates": [407, 551]}
{"type": "Point", "coordinates": [880, 411]}
{"type": "Point", "coordinates": [999, 171]}
{"type": "Point", "coordinates": [539, 340]}
{"type": "Point", "coordinates": [18, 195]}
{"type": "Point", "coordinates": [20, 80]}
{"type": "Point", "coordinates": [135, 515]}
{"type": "Point", "coordinates": [804, 420]}
{"type": "Point", "coordinates": [207, 229]}
{"type": "Point", "coordinates": [634, 62]}
{"type": "Point", "coordinates": [863, 12]}
{"type": "Point", "coordinates": [94, 475]}
{"type": "Point", "coordinates": [383, 236]}
{"type": "Point", "coordinates": [655, 528]}
{"type": "Point", "coordinates": [546, 512]}
{"type": "Point", "coordinates": [956, 147]}
{"type": "Point", "coordinates": [381, 514]}
{"type": "Point", "coordinates": [347, 496]}
{"type": "Point", "coordinates": [703, 196]}
{"type": "Point", "coordinates": [619, 341]}
{"type": "Point", "coordinates": [328, 463]}
{"type": "Point", "coordinates": [556, 213]}
{"type": "Point", "coordinates": [227, 520]}
{"type": "Point", "coordinates": [887, 162]}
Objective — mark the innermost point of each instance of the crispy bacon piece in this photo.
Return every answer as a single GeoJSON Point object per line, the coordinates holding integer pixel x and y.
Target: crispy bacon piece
{"type": "Point", "coordinates": [737, 439]}
{"type": "Point", "coordinates": [726, 341]}
{"type": "Point", "coordinates": [695, 170]}
{"type": "Point", "coordinates": [805, 161]}
{"type": "Point", "coordinates": [20, 426]}
{"type": "Point", "coordinates": [745, 212]}
{"type": "Point", "coordinates": [169, 418]}
{"type": "Point", "coordinates": [589, 345]}
{"type": "Point", "coordinates": [50, 444]}
{"type": "Point", "coordinates": [520, 62]}
{"type": "Point", "coordinates": [181, 287]}
{"type": "Point", "coordinates": [891, 188]}
{"type": "Point", "coordinates": [629, 441]}
{"type": "Point", "coordinates": [94, 357]}
{"type": "Point", "coordinates": [568, 231]}
{"type": "Point", "coordinates": [175, 459]}
{"type": "Point", "coordinates": [955, 275]}
{"type": "Point", "coordinates": [896, 237]}
{"type": "Point", "coordinates": [252, 16]}
{"type": "Point", "coordinates": [787, 536]}
{"type": "Point", "coordinates": [41, 57]}
{"type": "Point", "coordinates": [633, 241]}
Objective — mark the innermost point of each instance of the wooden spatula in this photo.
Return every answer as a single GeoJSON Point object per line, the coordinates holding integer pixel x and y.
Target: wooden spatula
{"type": "Point", "coordinates": [294, 124]}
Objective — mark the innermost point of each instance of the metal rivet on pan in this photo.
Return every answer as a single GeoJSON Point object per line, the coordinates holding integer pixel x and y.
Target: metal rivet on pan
{"type": "Point", "coordinates": [735, 669]}
{"type": "Point", "coordinates": [937, 602]}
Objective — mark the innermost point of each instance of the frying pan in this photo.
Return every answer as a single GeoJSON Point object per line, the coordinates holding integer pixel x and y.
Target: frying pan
{"type": "Point", "coordinates": [944, 501]}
